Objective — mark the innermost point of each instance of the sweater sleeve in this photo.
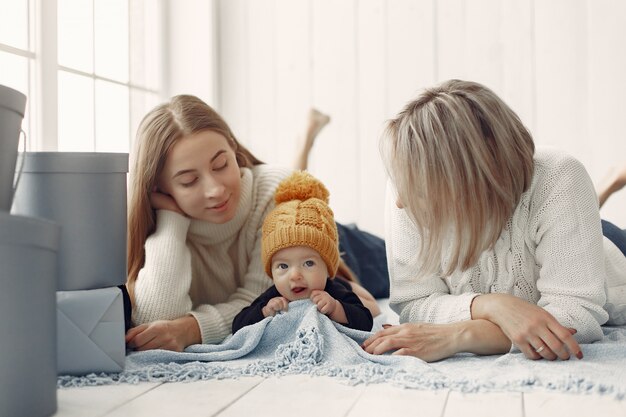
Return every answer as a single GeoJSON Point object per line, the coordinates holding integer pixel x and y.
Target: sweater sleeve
{"type": "Point", "coordinates": [254, 312]}
{"type": "Point", "coordinates": [162, 286]}
{"type": "Point", "coordinates": [569, 250]}
{"type": "Point", "coordinates": [424, 299]}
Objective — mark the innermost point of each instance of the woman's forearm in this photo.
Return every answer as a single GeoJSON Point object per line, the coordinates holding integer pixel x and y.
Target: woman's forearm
{"type": "Point", "coordinates": [482, 337]}
{"type": "Point", "coordinates": [189, 330]}
{"type": "Point", "coordinates": [483, 306]}
{"type": "Point", "coordinates": [527, 326]}
{"type": "Point", "coordinates": [163, 283]}
{"type": "Point", "coordinates": [433, 342]}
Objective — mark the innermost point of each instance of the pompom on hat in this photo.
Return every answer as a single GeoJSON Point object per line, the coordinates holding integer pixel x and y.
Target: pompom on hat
{"type": "Point", "coordinates": [301, 218]}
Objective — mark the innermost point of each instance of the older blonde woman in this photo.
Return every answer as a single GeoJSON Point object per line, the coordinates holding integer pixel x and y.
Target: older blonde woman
{"type": "Point", "coordinates": [490, 244]}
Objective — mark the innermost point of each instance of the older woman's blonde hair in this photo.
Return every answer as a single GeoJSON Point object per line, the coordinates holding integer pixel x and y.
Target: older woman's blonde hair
{"type": "Point", "coordinates": [159, 130]}
{"type": "Point", "coordinates": [460, 159]}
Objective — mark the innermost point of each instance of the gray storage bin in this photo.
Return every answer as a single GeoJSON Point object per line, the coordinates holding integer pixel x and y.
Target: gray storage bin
{"type": "Point", "coordinates": [85, 193]}
{"type": "Point", "coordinates": [28, 340]}
{"type": "Point", "coordinates": [12, 105]}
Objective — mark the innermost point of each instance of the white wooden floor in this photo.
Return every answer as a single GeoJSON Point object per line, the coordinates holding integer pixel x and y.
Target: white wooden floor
{"type": "Point", "coordinates": [302, 396]}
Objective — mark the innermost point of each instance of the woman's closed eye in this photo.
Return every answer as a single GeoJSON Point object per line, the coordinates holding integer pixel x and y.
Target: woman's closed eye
{"type": "Point", "coordinates": [220, 163]}
{"type": "Point", "coordinates": [221, 167]}
{"type": "Point", "coordinates": [188, 182]}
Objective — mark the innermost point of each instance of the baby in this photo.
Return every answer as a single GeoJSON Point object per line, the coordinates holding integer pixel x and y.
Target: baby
{"type": "Point", "coordinates": [300, 252]}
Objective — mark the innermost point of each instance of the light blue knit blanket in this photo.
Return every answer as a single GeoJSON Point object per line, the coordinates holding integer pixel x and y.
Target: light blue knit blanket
{"type": "Point", "coordinates": [303, 341]}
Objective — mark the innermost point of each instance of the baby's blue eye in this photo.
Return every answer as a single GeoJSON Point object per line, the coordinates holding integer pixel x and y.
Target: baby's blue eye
{"type": "Point", "coordinates": [282, 266]}
{"type": "Point", "coordinates": [309, 263]}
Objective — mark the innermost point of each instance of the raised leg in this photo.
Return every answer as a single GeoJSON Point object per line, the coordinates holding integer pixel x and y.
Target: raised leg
{"type": "Point", "coordinates": [614, 181]}
{"type": "Point", "coordinates": [315, 123]}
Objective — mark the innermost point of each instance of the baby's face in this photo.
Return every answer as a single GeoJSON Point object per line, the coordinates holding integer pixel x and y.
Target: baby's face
{"type": "Point", "coordinates": [297, 271]}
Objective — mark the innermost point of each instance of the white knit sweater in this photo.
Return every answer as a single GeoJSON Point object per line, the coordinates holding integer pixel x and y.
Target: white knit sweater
{"type": "Point", "coordinates": [551, 253]}
{"type": "Point", "coordinates": [210, 271]}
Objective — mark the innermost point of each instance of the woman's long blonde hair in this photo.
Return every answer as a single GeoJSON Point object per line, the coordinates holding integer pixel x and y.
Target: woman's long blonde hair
{"type": "Point", "coordinates": [159, 130]}
{"type": "Point", "coordinates": [460, 159]}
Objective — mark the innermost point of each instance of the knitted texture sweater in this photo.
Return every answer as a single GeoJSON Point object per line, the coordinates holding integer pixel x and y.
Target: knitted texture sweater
{"type": "Point", "coordinates": [210, 271]}
{"type": "Point", "coordinates": [550, 253]}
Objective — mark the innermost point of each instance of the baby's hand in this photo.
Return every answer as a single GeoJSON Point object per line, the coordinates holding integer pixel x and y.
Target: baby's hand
{"type": "Point", "coordinates": [325, 303]}
{"type": "Point", "coordinates": [275, 305]}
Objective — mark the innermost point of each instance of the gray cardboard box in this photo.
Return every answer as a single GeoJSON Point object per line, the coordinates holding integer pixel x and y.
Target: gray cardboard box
{"type": "Point", "coordinates": [28, 267]}
{"type": "Point", "coordinates": [85, 193]}
{"type": "Point", "coordinates": [90, 331]}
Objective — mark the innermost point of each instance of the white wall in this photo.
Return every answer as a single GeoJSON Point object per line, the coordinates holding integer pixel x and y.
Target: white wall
{"type": "Point", "coordinates": [190, 66]}
{"type": "Point", "coordinates": [560, 64]}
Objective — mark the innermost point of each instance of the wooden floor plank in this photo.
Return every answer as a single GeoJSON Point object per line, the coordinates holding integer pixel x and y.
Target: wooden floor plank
{"type": "Point", "coordinates": [488, 404]}
{"type": "Point", "coordinates": [544, 403]}
{"type": "Point", "coordinates": [191, 399]}
{"type": "Point", "coordinates": [97, 401]}
{"type": "Point", "coordinates": [386, 400]}
{"type": "Point", "coordinates": [297, 395]}
{"type": "Point", "coordinates": [304, 396]}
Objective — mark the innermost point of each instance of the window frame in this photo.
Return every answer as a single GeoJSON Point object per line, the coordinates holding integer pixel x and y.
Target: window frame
{"type": "Point", "coordinates": [43, 76]}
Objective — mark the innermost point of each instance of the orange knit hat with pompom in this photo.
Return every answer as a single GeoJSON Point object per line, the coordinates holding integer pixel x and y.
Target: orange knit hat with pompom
{"type": "Point", "coordinates": [301, 218]}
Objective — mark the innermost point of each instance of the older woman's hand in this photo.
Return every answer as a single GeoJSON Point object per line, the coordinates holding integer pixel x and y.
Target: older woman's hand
{"type": "Point", "coordinates": [429, 342]}
{"type": "Point", "coordinates": [529, 327]}
{"type": "Point", "coordinates": [432, 342]}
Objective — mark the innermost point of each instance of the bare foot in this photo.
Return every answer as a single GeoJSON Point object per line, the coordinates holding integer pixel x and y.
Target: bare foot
{"type": "Point", "coordinates": [613, 181]}
{"type": "Point", "coordinates": [315, 123]}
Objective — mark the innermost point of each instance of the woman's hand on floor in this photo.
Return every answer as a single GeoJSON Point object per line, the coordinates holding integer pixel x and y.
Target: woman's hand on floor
{"type": "Point", "coordinates": [173, 335]}
{"type": "Point", "coordinates": [432, 342]}
{"type": "Point", "coordinates": [529, 327]}
{"type": "Point", "coordinates": [429, 342]}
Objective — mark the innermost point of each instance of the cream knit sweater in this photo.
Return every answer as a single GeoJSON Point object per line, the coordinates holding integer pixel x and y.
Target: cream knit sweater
{"type": "Point", "coordinates": [210, 271]}
{"type": "Point", "coordinates": [551, 253]}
